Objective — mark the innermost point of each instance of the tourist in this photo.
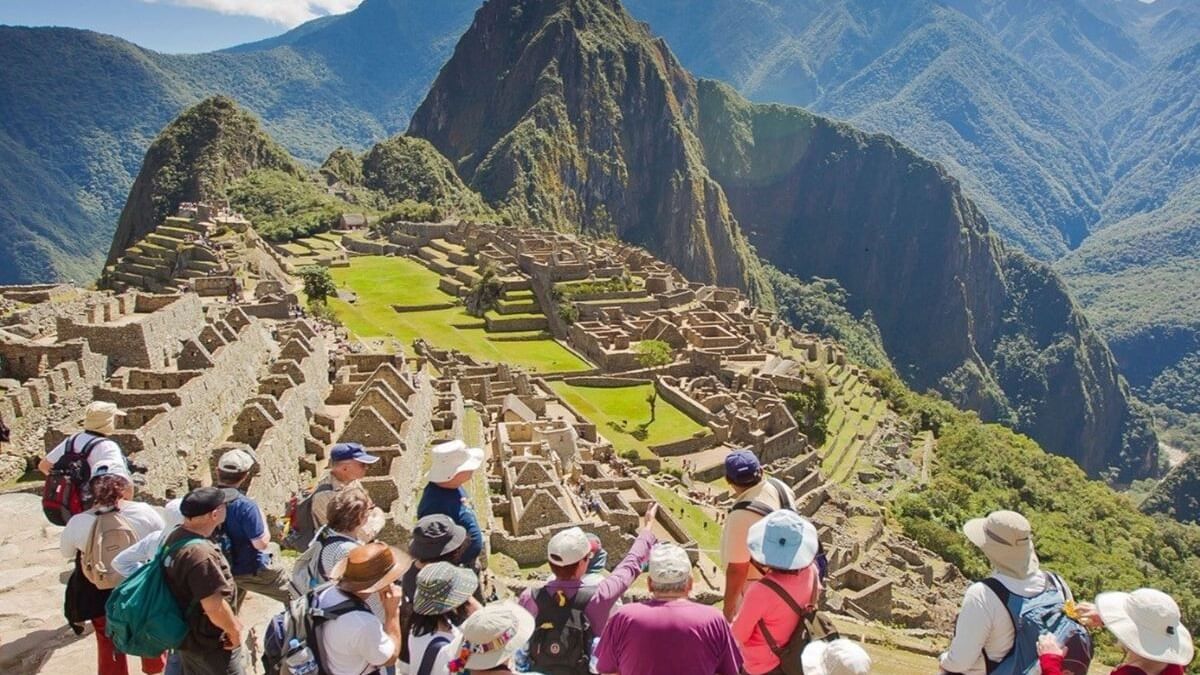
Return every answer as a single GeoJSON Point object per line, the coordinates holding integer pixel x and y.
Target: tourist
{"type": "Point", "coordinates": [442, 602]}
{"type": "Point", "coordinates": [244, 534]}
{"type": "Point", "coordinates": [453, 464]}
{"type": "Point", "coordinates": [435, 538]}
{"type": "Point", "coordinates": [127, 561]}
{"type": "Point", "coordinates": [489, 640]}
{"type": "Point", "coordinates": [570, 553]}
{"type": "Point", "coordinates": [199, 578]}
{"type": "Point", "coordinates": [985, 631]}
{"type": "Point", "coordinates": [350, 513]}
{"type": "Point", "coordinates": [359, 641]}
{"type": "Point", "coordinates": [1146, 624]}
{"type": "Point", "coordinates": [754, 497]}
{"type": "Point", "coordinates": [836, 657]}
{"type": "Point", "coordinates": [784, 545]}
{"type": "Point", "coordinates": [99, 422]}
{"type": "Point", "coordinates": [348, 464]}
{"type": "Point", "coordinates": [668, 633]}
{"type": "Point", "coordinates": [113, 520]}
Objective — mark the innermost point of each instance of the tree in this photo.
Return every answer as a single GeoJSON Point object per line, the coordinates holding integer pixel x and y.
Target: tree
{"type": "Point", "coordinates": [485, 292]}
{"type": "Point", "coordinates": [318, 283]}
{"type": "Point", "coordinates": [654, 353]}
{"type": "Point", "coordinates": [652, 399]}
{"type": "Point", "coordinates": [810, 407]}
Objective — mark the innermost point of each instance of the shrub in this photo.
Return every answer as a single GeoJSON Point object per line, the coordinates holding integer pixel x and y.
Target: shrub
{"type": "Point", "coordinates": [318, 283]}
{"type": "Point", "coordinates": [654, 353]}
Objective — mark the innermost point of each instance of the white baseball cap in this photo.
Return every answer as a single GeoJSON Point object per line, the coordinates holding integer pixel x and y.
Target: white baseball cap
{"type": "Point", "coordinates": [669, 564]}
{"type": "Point", "coordinates": [837, 657]}
{"type": "Point", "coordinates": [568, 547]}
{"type": "Point", "coordinates": [236, 460]}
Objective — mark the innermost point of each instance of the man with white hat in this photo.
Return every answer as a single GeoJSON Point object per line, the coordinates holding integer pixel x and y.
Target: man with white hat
{"type": "Point", "coordinates": [244, 537]}
{"type": "Point", "coordinates": [452, 466]}
{"type": "Point", "coordinates": [668, 633]}
{"type": "Point", "coordinates": [567, 603]}
{"type": "Point", "coordinates": [836, 657]}
{"type": "Point", "coordinates": [348, 464]}
{"type": "Point", "coordinates": [986, 630]}
{"type": "Point", "coordinates": [99, 422]}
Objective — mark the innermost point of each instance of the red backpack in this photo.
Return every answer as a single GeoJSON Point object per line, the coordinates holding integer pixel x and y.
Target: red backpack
{"type": "Point", "coordinates": [66, 491]}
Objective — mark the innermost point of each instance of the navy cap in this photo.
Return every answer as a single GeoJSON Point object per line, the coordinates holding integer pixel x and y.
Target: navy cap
{"type": "Point", "coordinates": [344, 451]}
{"type": "Point", "coordinates": [742, 467]}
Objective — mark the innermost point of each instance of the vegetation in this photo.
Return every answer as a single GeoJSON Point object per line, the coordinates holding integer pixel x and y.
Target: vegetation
{"type": "Point", "coordinates": [819, 306]}
{"type": "Point", "coordinates": [403, 168]}
{"type": "Point", "coordinates": [318, 283]}
{"type": "Point", "coordinates": [1178, 495]}
{"type": "Point", "coordinates": [654, 353]}
{"type": "Point", "coordinates": [413, 212]}
{"type": "Point", "coordinates": [485, 293]}
{"type": "Point", "coordinates": [382, 282]}
{"type": "Point", "coordinates": [567, 290]}
{"type": "Point", "coordinates": [283, 206]}
{"type": "Point", "coordinates": [811, 408]}
{"type": "Point", "coordinates": [621, 411]}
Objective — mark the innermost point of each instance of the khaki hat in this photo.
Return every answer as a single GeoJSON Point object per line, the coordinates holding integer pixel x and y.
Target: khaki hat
{"type": "Point", "coordinates": [1006, 538]}
{"type": "Point", "coordinates": [490, 637]}
{"type": "Point", "coordinates": [367, 569]}
{"type": "Point", "coordinates": [101, 417]}
{"type": "Point", "coordinates": [237, 460]}
{"type": "Point", "coordinates": [1147, 623]}
{"type": "Point", "coordinates": [669, 564]}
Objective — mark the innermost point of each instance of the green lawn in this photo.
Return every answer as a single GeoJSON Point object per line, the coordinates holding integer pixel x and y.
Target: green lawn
{"type": "Point", "coordinates": [698, 524]}
{"type": "Point", "coordinates": [381, 282]}
{"type": "Point", "coordinates": [602, 405]}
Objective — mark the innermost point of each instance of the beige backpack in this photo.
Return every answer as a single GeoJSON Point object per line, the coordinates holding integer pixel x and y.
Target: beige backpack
{"type": "Point", "coordinates": [111, 534]}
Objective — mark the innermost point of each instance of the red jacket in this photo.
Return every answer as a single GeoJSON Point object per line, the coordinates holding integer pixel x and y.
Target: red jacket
{"type": "Point", "coordinates": [1052, 665]}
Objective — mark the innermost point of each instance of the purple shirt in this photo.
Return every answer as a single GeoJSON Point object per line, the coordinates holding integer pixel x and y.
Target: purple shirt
{"type": "Point", "coordinates": [608, 592]}
{"type": "Point", "coordinates": [677, 636]}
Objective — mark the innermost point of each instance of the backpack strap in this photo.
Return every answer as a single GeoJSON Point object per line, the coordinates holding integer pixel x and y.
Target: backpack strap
{"type": "Point", "coordinates": [801, 612]}
{"type": "Point", "coordinates": [1004, 595]}
{"type": "Point", "coordinates": [785, 494]}
{"type": "Point", "coordinates": [322, 542]}
{"type": "Point", "coordinates": [431, 653]}
{"type": "Point", "coordinates": [754, 507]}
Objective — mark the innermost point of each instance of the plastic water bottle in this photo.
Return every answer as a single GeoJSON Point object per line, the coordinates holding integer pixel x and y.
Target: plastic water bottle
{"type": "Point", "coordinates": [300, 659]}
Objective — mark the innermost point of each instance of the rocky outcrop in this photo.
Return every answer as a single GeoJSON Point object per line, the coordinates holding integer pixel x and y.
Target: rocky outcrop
{"type": "Point", "coordinates": [569, 112]}
{"type": "Point", "coordinates": [194, 158]}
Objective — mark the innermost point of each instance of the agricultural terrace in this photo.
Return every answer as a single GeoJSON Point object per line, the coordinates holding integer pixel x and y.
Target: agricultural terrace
{"type": "Point", "coordinates": [619, 413]}
{"type": "Point", "coordinates": [381, 283]}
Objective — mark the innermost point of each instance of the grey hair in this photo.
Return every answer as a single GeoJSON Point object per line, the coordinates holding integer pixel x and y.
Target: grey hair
{"type": "Point", "coordinates": [670, 589]}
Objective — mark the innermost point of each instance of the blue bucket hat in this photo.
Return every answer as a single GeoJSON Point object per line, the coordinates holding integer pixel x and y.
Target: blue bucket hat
{"type": "Point", "coordinates": [784, 540]}
{"type": "Point", "coordinates": [344, 451]}
{"type": "Point", "coordinates": [742, 467]}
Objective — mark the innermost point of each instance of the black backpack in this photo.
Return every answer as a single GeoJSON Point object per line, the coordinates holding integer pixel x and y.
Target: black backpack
{"type": "Point", "coordinates": [300, 621]}
{"type": "Point", "coordinates": [301, 526]}
{"type": "Point", "coordinates": [562, 642]}
{"type": "Point", "coordinates": [66, 492]}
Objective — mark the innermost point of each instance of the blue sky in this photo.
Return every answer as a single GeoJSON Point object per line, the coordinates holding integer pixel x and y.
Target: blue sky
{"type": "Point", "coordinates": [176, 26]}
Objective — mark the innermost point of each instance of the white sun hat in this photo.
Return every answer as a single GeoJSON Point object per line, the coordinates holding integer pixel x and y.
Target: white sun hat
{"type": "Point", "coordinates": [1147, 623]}
{"type": "Point", "coordinates": [452, 458]}
{"type": "Point", "coordinates": [836, 657]}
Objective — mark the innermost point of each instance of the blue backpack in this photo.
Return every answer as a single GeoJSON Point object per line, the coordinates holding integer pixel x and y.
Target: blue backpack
{"type": "Point", "coordinates": [1032, 617]}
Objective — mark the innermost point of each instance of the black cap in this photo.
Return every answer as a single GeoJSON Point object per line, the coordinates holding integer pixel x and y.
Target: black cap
{"type": "Point", "coordinates": [205, 500]}
{"type": "Point", "coordinates": [434, 536]}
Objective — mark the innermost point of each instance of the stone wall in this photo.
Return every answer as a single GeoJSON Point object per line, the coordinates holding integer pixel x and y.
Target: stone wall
{"type": "Point", "coordinates": [149, 338]}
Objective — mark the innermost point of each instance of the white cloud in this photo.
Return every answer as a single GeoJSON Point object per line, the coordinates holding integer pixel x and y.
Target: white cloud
{"type": "Point", "coordinates": [284, 12]}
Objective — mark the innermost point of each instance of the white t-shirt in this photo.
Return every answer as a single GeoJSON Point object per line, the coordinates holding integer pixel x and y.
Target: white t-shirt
{"type": "Point", "coordinates": [353, 642]}
{"type": "Point", "coordinates": [104, 453]}
{"type": "Point", "coordinates": [143, 518]}
{"type": "Point", "coordinates": [416, 651]}
{"type": "Point", "coordinates": [984, 624]}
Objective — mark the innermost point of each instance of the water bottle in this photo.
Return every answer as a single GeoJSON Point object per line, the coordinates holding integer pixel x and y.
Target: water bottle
{"type": "Point", "coordinates": [300, 659]}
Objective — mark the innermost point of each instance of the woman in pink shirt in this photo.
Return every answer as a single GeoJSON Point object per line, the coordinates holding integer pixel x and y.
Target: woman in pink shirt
{"type": "Point", "coordinates": [784, 545]}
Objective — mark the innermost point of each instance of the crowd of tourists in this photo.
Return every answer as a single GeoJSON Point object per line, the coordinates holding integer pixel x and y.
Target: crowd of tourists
{"type": "Point", "coordinates": [168, 585]}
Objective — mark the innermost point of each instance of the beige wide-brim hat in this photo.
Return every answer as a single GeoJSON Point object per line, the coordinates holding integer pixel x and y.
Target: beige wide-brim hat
{"type": "Point", "coordinates": [492, 635]}
{"type": "Point", "coordinates": [1006, 538]}
{"type": "Point", "coordinates": [101, 417]}
{"type": "Point", "coordinates": [452, 458]}
{"type": "Point", "coordinates": [1147, 623]}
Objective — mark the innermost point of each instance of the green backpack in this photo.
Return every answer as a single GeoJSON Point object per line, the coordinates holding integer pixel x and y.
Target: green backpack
{"type": "Point", "coordinates": [143, 618]}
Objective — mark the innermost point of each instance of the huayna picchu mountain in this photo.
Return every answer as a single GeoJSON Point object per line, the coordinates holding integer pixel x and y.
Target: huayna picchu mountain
{"type": "Point", "coordinates": [571, 113]}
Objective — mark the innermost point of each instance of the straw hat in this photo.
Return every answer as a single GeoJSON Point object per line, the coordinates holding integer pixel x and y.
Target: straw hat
{"type": "Point", "coordinates": [452, 458]}
{"type": "Point", "coordinates": [101, 417]}
{"type": "Point", "coordinates": [367, 569]}
{"type": "Point", "coordinates": [1006, 538]}
{"type": "Point", "coordinates": [491, 636]}
{"type": "Point", "coordinates": [1146, 622]}
{"type": "Point", "coordinates": [784, 540]}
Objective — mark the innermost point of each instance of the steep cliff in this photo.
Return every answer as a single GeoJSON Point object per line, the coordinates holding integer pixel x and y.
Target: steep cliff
{"type": "Point", "coordinates": [1178, 495]}
{"type": "Point", "coordinates": [195, 158]}
{"type": "Point", "coordinates": [568, 111]}
{"type": "Point", "coordinates": [572, 115]}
